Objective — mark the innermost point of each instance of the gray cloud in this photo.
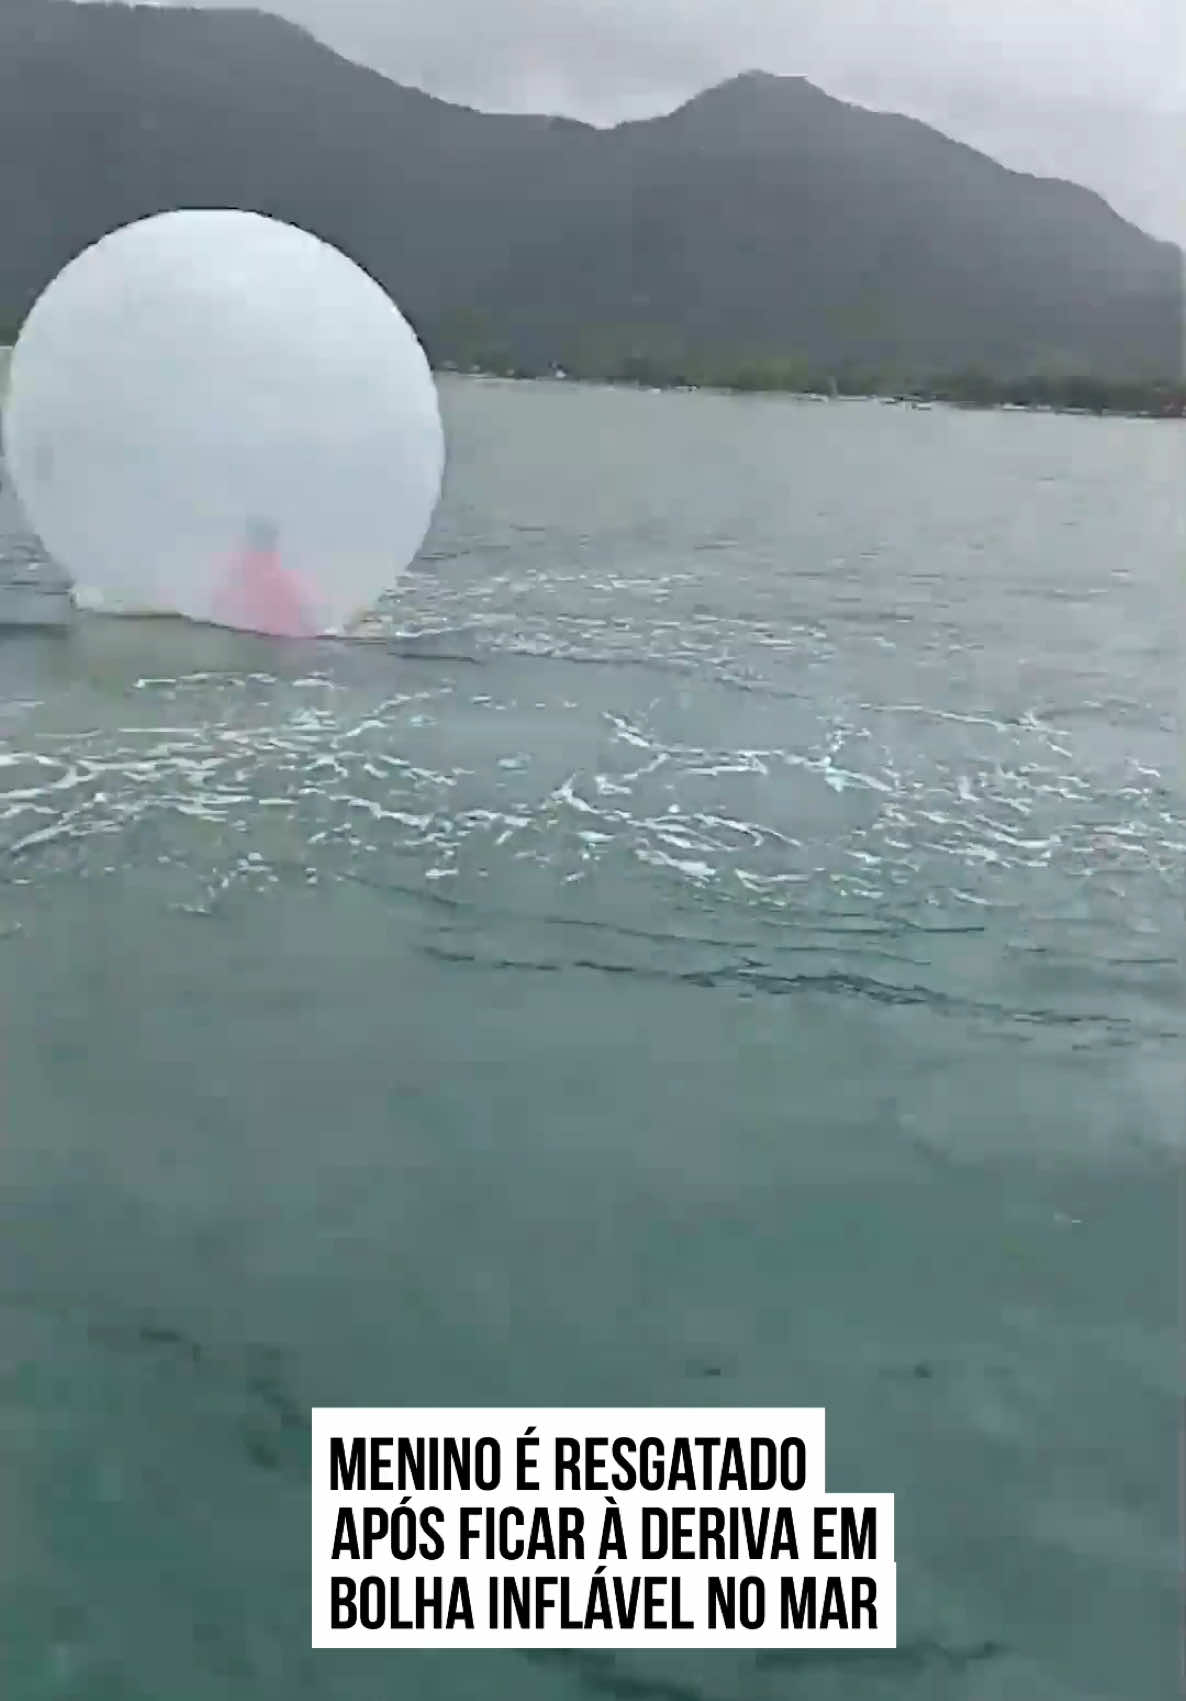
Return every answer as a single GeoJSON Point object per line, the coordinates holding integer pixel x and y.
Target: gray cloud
{"type": "Point", "coordinates": [1093, 90]}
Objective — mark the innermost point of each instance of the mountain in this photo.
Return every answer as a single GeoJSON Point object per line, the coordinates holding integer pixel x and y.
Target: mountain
{"type": "Point", "coordinates": [761, 221]}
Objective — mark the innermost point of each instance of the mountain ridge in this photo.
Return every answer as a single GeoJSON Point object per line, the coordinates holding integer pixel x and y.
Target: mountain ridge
{"type": "Point", "coordinates": [761, 220]}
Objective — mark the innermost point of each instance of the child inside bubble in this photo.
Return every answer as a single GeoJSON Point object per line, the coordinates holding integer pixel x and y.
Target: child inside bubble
{"type": "Point", "coordinates": [259, 593]}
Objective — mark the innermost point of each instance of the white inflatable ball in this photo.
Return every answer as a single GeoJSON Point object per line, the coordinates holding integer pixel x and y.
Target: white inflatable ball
{"type": "Point", "coordinates": [217, 415]}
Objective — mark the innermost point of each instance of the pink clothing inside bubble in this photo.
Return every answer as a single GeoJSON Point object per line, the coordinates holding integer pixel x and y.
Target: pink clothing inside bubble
{"type": "Point", "coordinates": [261, 595]}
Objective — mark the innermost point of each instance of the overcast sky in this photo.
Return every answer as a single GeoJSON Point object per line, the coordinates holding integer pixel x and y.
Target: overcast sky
{"type": "Point", "coordinates": [1092, 90]}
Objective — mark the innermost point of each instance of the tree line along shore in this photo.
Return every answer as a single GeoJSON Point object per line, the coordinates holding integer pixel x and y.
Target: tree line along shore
{"type": "Point", "coordinates": [1039, 392]}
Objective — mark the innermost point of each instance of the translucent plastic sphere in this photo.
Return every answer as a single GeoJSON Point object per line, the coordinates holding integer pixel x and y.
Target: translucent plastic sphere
{"type": "Point", "coordinates": [216, 415]}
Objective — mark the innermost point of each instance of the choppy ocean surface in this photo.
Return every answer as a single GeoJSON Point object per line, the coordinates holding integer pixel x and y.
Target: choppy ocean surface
{"type": "Point", "coordinates": [723, 946]}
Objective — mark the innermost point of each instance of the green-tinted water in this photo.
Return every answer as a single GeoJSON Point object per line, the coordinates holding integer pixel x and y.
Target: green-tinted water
{"type": "Point", "coordinates": [724, 949]}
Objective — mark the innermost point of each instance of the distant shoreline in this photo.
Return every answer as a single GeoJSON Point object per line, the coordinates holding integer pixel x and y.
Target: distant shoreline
{"type": "Point", "coordinates": [1075, 397]}
{"type": "Point", "coordinates": [774, 391]}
